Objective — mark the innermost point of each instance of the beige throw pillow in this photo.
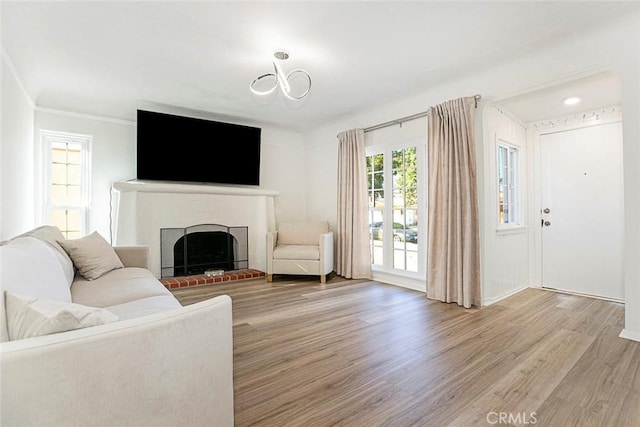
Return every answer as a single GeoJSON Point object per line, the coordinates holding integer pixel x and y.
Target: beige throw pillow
{"type": "Point", "coordinates": [92, 255]}
{"type": "Point", "coordinates": [32, 317]}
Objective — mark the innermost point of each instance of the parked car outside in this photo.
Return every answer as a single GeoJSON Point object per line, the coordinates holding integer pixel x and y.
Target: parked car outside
{"type": "Point", "coordinates": [400, 234]}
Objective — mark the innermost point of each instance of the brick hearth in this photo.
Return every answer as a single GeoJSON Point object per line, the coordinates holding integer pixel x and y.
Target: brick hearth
{"type": "Point", "coordinates": [201, 279]}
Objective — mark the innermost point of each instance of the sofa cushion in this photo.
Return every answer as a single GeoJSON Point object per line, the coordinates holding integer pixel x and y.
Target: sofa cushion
{"type": "Point", "coordinates": [52, 234]}
{"type": "Point", "coordinates": [145, 306]}
{"type": "Point", "coordinates": [302, 233]}
{"type": "Point", "coordinates": [297, 252]}
{"type": "Point", "coordinates": [117, 287]}
{"type": "Point", "coordinates": [29, 316]}
{"type": "Point", "coordinates": [92, 255]}
{"type": "Point", "coordinates": [30, 266]}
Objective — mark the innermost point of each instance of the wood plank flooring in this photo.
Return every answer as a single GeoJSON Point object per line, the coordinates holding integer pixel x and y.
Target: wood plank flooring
{"type": "Point", "coordinates": [363, 354]}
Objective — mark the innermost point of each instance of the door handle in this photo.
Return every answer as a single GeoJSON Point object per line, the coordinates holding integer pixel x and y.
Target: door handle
{"type": "Point", "coordinates": [547, 223]}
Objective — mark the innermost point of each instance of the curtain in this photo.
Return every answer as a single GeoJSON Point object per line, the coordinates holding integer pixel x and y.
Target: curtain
{"type": "Point", "coordinates": [353, 259]}
{"type": "Point", "coordinates": [453, 243]}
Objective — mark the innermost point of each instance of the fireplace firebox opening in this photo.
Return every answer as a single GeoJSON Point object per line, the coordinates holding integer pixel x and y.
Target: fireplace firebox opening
{"type": "Point", "coordinates": [196, 249]}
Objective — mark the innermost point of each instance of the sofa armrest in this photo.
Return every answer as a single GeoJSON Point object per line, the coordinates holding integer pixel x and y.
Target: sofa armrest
{"type": "Point", "coordinates": [171, 368]}
{"type": "Point", "coordinates": [133, 256]}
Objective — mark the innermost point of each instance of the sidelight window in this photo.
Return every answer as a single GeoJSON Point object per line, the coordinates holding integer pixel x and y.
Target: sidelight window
{"type": "Point", "coordinates": [507, 174]}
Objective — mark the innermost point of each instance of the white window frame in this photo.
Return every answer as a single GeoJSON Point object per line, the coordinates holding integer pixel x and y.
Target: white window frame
{"type": "Point", "coordinates": [517, 185]}
{"type": "Point", "coordinates": [47, 139]}
{"type": "Point", "coordinates": [387, 150]}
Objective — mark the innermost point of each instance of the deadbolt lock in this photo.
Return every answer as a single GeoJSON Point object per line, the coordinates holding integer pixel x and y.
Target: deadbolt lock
{"type": "Point", "coordinates": [546, 210]}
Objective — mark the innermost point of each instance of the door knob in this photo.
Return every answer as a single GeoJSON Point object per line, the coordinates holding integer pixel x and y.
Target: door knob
{"type": "Point", "coordinates": [546, 210]}
{"type": "Point", "coordinates": [547, 223]}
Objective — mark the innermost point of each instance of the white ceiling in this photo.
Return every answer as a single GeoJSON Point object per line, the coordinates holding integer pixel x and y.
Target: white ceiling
{"type": "Point", "coordinates": [596, 92]}
{"type": "Point", "coordinates": [110, 58]}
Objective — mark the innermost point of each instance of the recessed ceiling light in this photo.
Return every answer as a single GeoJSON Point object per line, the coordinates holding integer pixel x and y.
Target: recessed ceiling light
{"type": "Point", "coordinates": [572, 100]}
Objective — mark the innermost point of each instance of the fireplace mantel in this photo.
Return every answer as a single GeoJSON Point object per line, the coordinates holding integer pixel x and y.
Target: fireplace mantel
{"type": "Point", "coordinates": [140, 209]}
{"type": "Point", "coordinates": [171, 187]}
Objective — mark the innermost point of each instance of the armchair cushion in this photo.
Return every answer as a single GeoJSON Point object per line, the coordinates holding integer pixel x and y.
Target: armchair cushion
{"type": "Point", "coordinates": [301, 233]}
{"type": "Point", "coordinates": [296, 252]}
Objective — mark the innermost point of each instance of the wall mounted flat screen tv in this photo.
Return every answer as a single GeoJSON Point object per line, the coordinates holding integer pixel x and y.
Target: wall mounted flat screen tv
{"type": "Point", "coordinates": [187, 149]}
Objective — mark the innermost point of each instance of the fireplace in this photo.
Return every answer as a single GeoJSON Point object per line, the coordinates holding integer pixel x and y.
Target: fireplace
{"type": "Point", "coordinates": [141, 209]}
{"type": "Point", "coordinates": [198, 248]}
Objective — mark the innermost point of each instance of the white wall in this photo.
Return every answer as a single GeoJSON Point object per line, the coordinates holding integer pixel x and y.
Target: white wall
{"type": "Point", "coordinates": [16, 155]}
{"type": "Point", "coordinates": [114, 159]}
{"type": "Point", "coordinates": [113, 156]}
{"type": "Point", "coordinates": [612, 48]}
{"type": "Point", "coordinates": [505, 264]}
{"type": "Point", "coordinates": [630, 78]}
{"type": "Point", "coordinates": [283, 168]}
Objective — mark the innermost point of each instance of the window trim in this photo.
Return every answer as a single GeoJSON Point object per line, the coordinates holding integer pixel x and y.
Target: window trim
{"type": "Point", "coordinates": [47, 139]}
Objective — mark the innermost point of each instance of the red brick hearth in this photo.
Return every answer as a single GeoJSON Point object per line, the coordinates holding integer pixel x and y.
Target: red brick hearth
{"type": "Point", "coordinates": [201, 279]}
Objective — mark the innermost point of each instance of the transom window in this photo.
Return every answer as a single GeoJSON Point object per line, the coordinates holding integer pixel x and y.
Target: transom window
{"type": "Point", "coordinates": [508, 204]}
{"type": "Point", "coordinates": [66, 182]}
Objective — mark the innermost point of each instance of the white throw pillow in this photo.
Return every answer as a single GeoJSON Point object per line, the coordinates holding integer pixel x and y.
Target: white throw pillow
{"type": "Point", "coordinates": [32, 317]}
{"type": "Point", "coordinates": [92, 255]}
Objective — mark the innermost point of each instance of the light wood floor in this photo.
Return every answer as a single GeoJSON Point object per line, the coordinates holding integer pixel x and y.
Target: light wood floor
{"type": "Point", "coordinates": [361, 353]}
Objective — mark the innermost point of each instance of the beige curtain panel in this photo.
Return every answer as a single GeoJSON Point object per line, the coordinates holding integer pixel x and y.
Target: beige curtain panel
{"type": "Point", "coordinates": [453, 248]}
{"type": "Point", "coordinates": [353, 260]}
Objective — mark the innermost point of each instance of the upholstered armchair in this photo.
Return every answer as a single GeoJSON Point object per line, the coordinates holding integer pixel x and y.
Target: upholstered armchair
{"type": "Point", "coordinates": [304, 248]}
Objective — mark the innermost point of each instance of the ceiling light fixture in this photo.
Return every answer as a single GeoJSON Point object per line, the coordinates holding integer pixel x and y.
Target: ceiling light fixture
{"type": "Point", "coordinates": [572, 100]}
{"type": "Point", "coordinates": [281, 79]}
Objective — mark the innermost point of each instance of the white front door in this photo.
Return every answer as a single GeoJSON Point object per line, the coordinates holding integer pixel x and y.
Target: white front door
{"type": "Point", "coordinates": [582, 210]}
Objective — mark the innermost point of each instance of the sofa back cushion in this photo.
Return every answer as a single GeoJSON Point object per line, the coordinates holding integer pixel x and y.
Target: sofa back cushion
{"type": "Point", "coordinates": [302, 233]}
{"type": "Point", "coordinates": [52, 234]}
{"type": "Point", "coordinates": [31, 267]}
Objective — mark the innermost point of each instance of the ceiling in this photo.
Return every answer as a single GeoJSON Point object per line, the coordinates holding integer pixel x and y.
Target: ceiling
{"type": "Point", "coordinates": [596, 92]}
{"type": "Point", "coordinates": [110, 58]}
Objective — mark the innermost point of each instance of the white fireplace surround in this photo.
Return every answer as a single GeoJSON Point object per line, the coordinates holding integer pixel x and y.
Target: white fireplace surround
{"type": "Point", "coordinates": [140, 209]}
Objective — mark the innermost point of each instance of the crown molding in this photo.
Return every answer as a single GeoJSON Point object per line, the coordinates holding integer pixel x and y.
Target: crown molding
{"type": "Point", "coordinates": [85, 116]}
{"type": "Point", "coordinates": [16, 76]}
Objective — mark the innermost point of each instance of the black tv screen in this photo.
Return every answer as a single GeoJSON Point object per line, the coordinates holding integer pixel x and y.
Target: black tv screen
{"type": "Point", "coordinates": [186, 149]}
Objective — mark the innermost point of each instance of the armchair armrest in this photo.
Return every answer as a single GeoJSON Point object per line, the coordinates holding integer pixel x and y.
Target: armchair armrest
{"type": "Point", "coordinates": [326, 253]}
{"type": "Point", "coordinates": [272, 238]}
{"type": "Point", "coordinates": [133, 256]}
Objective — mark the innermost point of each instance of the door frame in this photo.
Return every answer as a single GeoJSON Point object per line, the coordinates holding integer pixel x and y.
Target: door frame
{"type": "Point", "coordinates": [604, 116]}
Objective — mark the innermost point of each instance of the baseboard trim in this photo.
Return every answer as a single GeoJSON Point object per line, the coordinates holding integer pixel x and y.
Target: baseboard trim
{"type": "Point", "coordinates": [503, 296]}
{"type": "Point", "coordinates": [626, 334]}
{"type": "Point", "coordinates": [401, 281]}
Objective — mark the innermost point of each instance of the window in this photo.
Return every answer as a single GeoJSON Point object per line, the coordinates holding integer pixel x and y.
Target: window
{"type": "Point", "coordinates": [508, 204]}
{"type": "Point", "coordinates": [393, 209]}
{"type": "Point", "coordinates": [66, 181]}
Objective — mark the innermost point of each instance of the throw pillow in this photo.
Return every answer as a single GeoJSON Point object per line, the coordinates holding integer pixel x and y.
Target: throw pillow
{"type": "Point", "coordinates": [32, 317]}
{"type": "Point", "coordinates": [92, 255]}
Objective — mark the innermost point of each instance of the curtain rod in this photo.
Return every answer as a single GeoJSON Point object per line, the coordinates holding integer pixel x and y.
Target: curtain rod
{"type": "Point", "coordinates": [408, 118]}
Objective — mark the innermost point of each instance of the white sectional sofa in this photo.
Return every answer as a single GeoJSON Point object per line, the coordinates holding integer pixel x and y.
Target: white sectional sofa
{"type": "Point", "coordinates": [147, 361]}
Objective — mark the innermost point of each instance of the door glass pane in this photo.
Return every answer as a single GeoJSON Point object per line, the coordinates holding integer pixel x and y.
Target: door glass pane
{"type": "Point", "coordinates": [398, 259]}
